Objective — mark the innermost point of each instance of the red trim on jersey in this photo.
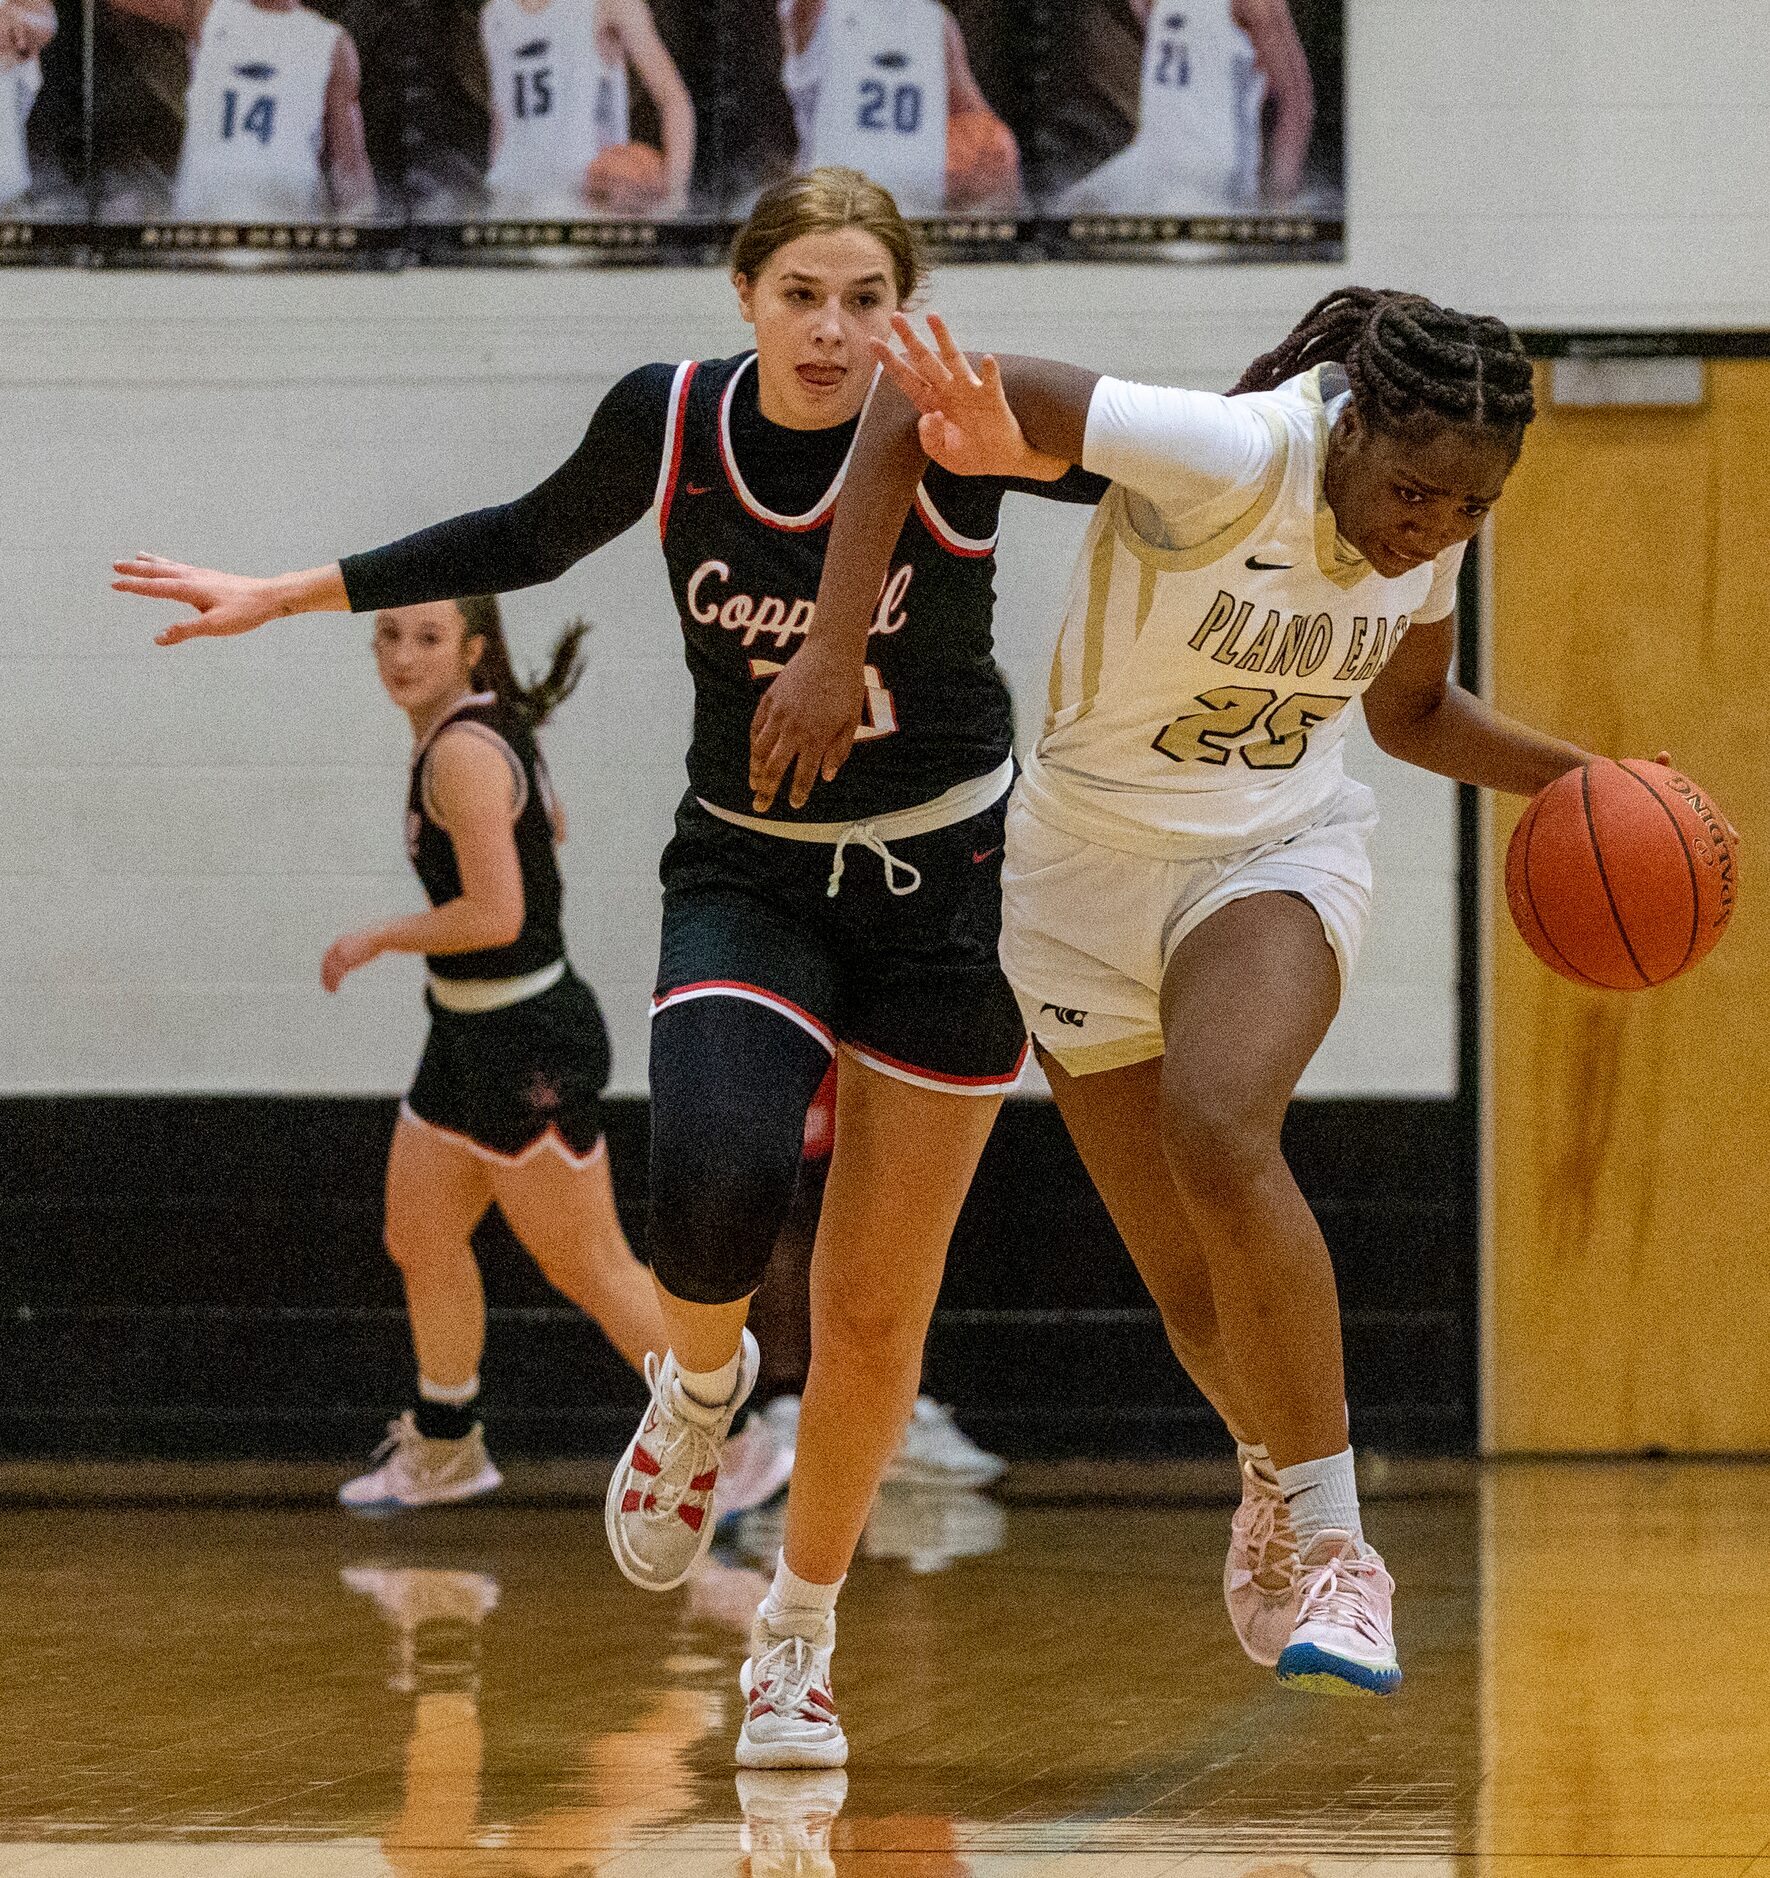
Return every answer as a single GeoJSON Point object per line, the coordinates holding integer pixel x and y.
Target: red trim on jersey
{"type": "Point", "coordinates": [678, 426]}
{"type": "Point", "coordinates": [738, 988]}
{"type": "Point", "coordinates": [867, 1054]}
{"type": "Point", "coordinates": [967, 547]}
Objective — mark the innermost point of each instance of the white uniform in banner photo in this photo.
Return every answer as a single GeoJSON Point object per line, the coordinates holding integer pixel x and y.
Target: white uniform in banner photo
{"type": "Point", "coordinates": [1198, 145]}
{"type": "Point", "coordinates": [1216, 638]}
{"type": "Point", "coordinates": [19, 84]}
{"type": "Point", "coordinates": [255, 116]}
{"type": "Point", "coordinates": [558, 103]}
{"type": "Point", "coordinates": [869, 90]}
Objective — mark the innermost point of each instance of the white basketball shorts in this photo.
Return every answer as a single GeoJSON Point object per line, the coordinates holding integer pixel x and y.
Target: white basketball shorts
{"type": "Point", "coordinates": [1088, 931]}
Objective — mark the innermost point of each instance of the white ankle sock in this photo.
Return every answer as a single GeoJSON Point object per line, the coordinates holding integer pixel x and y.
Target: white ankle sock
{"type": "Point", "coordinates": [1320, 1494]}
{"type": "Point", "coordinates": [1254, 1454]}
{"type": "Point", "coordinates": [455, 1394]}
{"type": "Point", "coordinates": [713, 1388]}
{"type": "Point", "coordinates": [795, 1606]}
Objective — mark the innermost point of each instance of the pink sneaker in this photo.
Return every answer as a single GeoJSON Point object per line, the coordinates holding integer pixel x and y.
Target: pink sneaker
{"type": "Point", "coordinates": [1260, 1573]}
{"type": "Point", "coordinates": [1343, 1642]}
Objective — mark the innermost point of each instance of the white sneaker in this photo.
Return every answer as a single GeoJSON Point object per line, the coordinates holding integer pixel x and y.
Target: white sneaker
{"type": "Point", "coordinates": [436, 1617]}
{"type": "Point", "coordinates": [758, 1463]}
{"type": "Point", "coordinates": [788, 1819]}
{"type": "Point", "coordinates": [1260, 1573]}
{"type": "Point", "coordinates": [659, 1509]}
{"type": "Point", "coordinates": [1343, 1642]}
{"type": "Point", "coordinates": [416, 1471]}
{"type": "Point", "coordinates": [928, 1528]}
{"type": "Point", "coordinates": [790, 1717]}
{"type": "Point", "coordinates": [936, 1452]}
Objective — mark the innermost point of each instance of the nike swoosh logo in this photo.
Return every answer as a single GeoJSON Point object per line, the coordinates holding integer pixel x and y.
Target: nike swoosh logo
{"type": "Point", "coordinates": [1268, 567]}
{"type": "Point", "coordinates": [697, 489]}
{"type": "Point", "coordinates": [986, 853]}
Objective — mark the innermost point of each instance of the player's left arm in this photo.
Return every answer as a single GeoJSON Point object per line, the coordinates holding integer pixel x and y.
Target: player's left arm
{"type": "Point", "coordinates": [1279, 53]}
{"type": "Point", "coordinates": [347, 151]}
{"type": "Point", "coordinates": [990, 169]}
{"type": "Point", "coordinates": [1417, 712]}
{"type": "Point", "coordinates": [27, 26]}
{"type": "Point", "coordinates": [650, 58]}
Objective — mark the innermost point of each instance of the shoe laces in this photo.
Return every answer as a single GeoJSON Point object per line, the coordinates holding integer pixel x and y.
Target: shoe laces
{"type": "Point", "coordinates": [687, 1452]}
{"type": "Point", "coordinates": [1258, 1525]}
{"type": "Point", "coordinates": [1338, 1591]}
{"type": "Point", "coordinates": [784, 1675]}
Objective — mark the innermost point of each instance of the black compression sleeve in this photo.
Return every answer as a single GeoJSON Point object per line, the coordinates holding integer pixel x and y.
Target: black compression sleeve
{"type": "Point", "coordinates": [601, 490]}
{"type": "Point", "coordinates": [1074, 485]}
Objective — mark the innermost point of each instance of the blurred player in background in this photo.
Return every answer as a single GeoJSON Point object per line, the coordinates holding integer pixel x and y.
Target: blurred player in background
{"type": "Point", "coordinates": [885, 87]}
{"type": "Point", "coordinates": [26, 27]}
{"type": "Point", "coordinates": [1226, 106]}
{"type": "Point", "coordinates": [273, 124]}
{"type": "Point", "coordinates": [561, 141]}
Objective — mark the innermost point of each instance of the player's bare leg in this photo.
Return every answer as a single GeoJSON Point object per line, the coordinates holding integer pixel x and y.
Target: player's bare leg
{"type": "Point", "coordinates": [436, 1192]}
{"type": "Point", "coordinates": [903, 1163]}
{"type": "Point", "coordinates": [1246, 1002]}
{"type": "Point", "coordinates": [1114, 1118]}
{"type": "Point", "coordinates": [564, 1214]}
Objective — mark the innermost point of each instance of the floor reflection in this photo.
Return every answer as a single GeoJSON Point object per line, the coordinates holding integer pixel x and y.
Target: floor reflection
{"type": "Point", "coordinates": [1029, 1690]}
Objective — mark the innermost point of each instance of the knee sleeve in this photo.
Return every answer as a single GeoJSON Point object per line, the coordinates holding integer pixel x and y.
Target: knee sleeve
{"type": "Point", "coordinates": [730, 1083]}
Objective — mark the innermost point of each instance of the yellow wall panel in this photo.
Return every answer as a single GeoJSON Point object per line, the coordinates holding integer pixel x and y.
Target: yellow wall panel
{"type": "Point", "coordinates": [1629, 1281]}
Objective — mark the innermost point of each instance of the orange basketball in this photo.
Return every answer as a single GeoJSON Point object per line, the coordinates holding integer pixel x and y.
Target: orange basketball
{"type": "Point", "coordinates": [627, 178]}
{"type": "Point", "coordinates": [1621, 875]}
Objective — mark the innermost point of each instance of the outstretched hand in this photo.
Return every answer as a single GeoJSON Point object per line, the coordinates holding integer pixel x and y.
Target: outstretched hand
{"type": "Point", "coordinates": [967, 425]}
{"type": "Point", "coordinates": [225, 603]}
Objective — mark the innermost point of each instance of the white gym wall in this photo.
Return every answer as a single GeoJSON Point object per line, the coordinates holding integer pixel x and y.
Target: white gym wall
{"type": "Point", "coordinates": [181, 833]}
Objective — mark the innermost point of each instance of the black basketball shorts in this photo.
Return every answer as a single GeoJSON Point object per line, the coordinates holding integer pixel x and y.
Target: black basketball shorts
{"type": "Point", "coordinates": [908, 982]}
{"type": "Point", "coordinates": [512, 1082]}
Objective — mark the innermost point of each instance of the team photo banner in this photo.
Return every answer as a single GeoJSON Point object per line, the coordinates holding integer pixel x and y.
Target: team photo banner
{"type": "Point", "coordinates": [378, 133]}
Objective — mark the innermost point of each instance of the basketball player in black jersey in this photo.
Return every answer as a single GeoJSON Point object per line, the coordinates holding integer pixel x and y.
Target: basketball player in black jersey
{"type": "Point", "coordinates": [506, 1102]}
{"type": "Point", "coordinates": [869, 927]}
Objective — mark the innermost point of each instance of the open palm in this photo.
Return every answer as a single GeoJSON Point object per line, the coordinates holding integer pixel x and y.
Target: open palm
{"type": "Point", "coordinates": [225, 603]}
{"type": "Point", "coordinates": [966, 425]}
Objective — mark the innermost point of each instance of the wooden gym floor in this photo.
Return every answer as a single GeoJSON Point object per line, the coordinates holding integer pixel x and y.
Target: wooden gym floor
{"type": "Point", "coordinates": [277, 1693]}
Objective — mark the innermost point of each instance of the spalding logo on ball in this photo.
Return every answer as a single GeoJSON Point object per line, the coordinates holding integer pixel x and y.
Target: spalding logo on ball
{"type": "Point", "coordinates": [1622, 875]}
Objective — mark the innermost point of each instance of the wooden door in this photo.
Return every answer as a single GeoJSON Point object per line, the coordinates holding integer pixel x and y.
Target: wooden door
{"type": "Point", "coordinates": [1629, 1205]}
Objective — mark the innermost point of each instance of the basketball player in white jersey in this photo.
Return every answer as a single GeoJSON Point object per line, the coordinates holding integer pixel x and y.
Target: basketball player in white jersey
{"type": "Point", "coordinates": [1187, 877]}
{"type": "Point", "coordinates": [886, 87]}
{"type": "Point", "coordinates": [273, 123]}
{"type": "Point", "coordinates": [557, 81]}
{"type": "Point", "coordinates": [1211, 69]}
{"type": "Point", "coordinates": [26, 27]}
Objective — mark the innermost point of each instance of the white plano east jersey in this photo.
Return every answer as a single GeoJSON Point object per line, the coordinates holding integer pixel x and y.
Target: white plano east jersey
{"type": "Point", "coordinates": [1200, 693]}
{"type": "Point", "coordinates": [19, 84]}
{"type": "Point", "coordinates": [869, 90]}
{"type": "Point", "coordinates": [560, 99]}
{"type": "Point", "coordinates": [255, 116]}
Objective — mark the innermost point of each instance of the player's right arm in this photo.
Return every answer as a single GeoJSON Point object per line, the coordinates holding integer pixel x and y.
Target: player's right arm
{"type": "Point", "coordinates": [470, 792]}
{"type": "Point", "coordinates": [1289, 87]}
{"type": "Point", "coordinates": [650, 58]}
{"type": "Point", "coordinates": [599, 492]}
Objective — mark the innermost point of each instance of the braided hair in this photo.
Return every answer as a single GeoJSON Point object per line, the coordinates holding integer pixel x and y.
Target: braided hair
{"type": "Point", "coordinates": [545, 691]}
{"type": "Point", "coordinates": [1408, 360]}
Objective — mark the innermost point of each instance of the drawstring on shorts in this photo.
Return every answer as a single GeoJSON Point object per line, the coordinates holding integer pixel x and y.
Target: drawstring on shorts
{"type": "Point", "coordinates": [869, 837]}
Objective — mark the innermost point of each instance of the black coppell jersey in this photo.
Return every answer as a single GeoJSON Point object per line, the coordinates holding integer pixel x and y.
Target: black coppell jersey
{"type": "Point", "coordinates": [746, 578]}
{"type": "Point", "coordinates": [433, 853]}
